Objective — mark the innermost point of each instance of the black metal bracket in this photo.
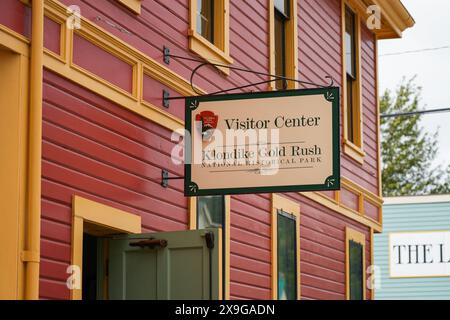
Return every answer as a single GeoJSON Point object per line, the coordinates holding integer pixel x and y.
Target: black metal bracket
{"type": "Point", "coordinates": [165, 178]}
{"type": "Point", "coordinates": [273, 77]}
{"type": "Point", "coordinates": [209, 238]}
{"type": "Point", "coordinates": [166, 98]}
{"type": "Point", "coordinates": [166, 54]}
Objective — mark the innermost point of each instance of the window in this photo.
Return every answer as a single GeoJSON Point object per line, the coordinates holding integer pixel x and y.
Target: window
{"type": "Point", "coordinates": [287, 253]}
{"type": "Point", "coordinates": [355, 265]}
{"type": "Point", "coordinates": [281, 18]}
{"type": "Point", "coordinates": [283, 42]}
{"type": "Point", "coordinates": [212, 213]}
{"type": "Point", "coordinates": [352, 83]}
{"type": "Point", "coordinates": [350, 71]}
{"type": "Point", "coordinates": [285, 249]}
{"type": "Point", "coordinates": [209, 31]}
{"type": "Point", "coordinates": [205, 19]}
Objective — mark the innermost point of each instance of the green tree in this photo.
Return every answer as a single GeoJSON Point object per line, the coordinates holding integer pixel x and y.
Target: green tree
{"type": "Point", "coordinates": [407, 151]}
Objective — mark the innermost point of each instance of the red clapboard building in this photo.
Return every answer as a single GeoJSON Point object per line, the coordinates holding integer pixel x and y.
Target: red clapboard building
{"type": "Point", "coordinates": [85, 135]}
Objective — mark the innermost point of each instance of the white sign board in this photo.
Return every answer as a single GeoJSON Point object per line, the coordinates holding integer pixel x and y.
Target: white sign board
{"type": "Point", "coordinates": [419, 254]}
{"type": "Point", "coordinates": [278, 141]}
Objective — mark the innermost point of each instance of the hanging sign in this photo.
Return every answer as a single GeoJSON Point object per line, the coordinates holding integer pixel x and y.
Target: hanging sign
{"type": "Point", "coordinates": [279, 141]}
{"type": "Point", "coordinates": [419, 254]}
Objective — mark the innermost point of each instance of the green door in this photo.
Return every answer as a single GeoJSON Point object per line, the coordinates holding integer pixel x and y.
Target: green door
{"type": "Point", "coordinates": [167, 265]}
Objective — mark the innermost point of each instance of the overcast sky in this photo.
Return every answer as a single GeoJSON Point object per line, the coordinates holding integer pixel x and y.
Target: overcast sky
{"type": "Point", "coordinates": [432, 68]}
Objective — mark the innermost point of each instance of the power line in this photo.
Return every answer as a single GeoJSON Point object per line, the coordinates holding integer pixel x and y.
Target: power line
{"type": "Point", "coordinates": [412, 113]}
{"type": "Point", "coordinates": [414, 51]}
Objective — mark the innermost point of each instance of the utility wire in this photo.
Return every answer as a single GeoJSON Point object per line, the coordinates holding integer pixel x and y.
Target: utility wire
{"type": "Point", "coordinates": [414, 51]}
{"type": "Point", "coordinates": [412, 113]}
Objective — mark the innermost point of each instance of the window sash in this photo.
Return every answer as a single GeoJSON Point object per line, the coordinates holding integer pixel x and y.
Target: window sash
{"type": "Point", "coordinates": [356, 263]}
{"type": "Point", "coordinates": [350, 109]}
{"type": "Point", "coordinates": [280, 50]}
{"type": "Point", "coordinates": [205, 19]}
{"type": "Point", "coordinates": [286, 256]}
{"type": "Point", "coordinates": [350, 42]}
{"type": "Point", "coordinates": [283, 7]}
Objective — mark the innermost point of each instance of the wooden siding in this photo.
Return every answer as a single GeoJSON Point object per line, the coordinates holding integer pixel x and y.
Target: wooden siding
{"type": "Point", "coordinates": [97, 149]}
{"type": "Point", "coordinates": [100, 151]}
{"type": "Point", "coordinates": [320, 54]}
{"type": "Point", "coordinates": [166, 23]}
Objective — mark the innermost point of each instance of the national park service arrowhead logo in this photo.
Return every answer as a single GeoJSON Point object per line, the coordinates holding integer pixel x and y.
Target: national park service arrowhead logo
{"type": "Point", "coordinates": [209, 122]}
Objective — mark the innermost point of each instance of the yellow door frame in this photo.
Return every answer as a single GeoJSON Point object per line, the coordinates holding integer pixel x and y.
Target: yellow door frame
{"type": "Point", "coordinates": [106, 219]}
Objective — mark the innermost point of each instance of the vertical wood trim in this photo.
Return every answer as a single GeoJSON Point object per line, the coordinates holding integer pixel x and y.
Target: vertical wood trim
{"type": "Point", "coordinates": [33, 238]}
{"type": "Point", "coordinates": [13, 139]}
{"type": "Point", "coordinates": [292, 45]}
{"type": "Point", "coordinates": [192, 209]}
{"type": "Point", "coordinates": [77, 252]}
{"type": "Point", "coordinates": [227, 246]}
{"type": "Point", "coordinates": [271, 19]}
{"type": "Point", "coordinates": [378, 113]}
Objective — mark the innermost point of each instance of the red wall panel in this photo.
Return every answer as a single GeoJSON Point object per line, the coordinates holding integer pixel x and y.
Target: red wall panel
{"type": "Point", "coordinates": [15, 15]}
{"type": "Point", "coordinates": [102, 63]}
{"type": "Point", "coordinates": [52, 32]}
{"type": "Point", "coordinates": [100, 151]}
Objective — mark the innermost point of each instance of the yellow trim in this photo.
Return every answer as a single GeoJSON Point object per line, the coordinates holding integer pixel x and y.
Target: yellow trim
{"type": "Point", "coordinates": [360, 238]}
{"type": "Point", "coordinates": [292, 207]}
{"type": "Point", "coordinates": [14, 41]}
{"type": "Point", "coordinates": [378, 112]}
{"type": "Point", "coordinates": [115, 53]}
{"type": "Point", "coordinates": [219, 51]}
{"type": "Point", "coordinates": [352, 149]}
{"type": "Point", "coordinates": [192, 211]}
{"type": "Point", "coordinates": [356, 215]}
{"type": "Point", "coordinates": [103, 216]}
{"type": "Point", "coordinates": [291, 44]}
{"type": "Point", "coordinates": [395, 18]}
{"type": "Point", "coordinates": [133, 5]}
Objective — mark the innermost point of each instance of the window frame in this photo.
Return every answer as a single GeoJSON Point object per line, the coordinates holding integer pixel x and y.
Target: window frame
{"type": "Point", "coordinates": [193, 223]}
{"type": "Point", "coordinates": [353, 149]}
{"type": "Point", "coordinates": [219, 51]}
{"type": "Point", "coordinates": [291, 44]}
{"type": "Point", "coordinates": [360, 238]}
{"type": "Point", "coordinates": [293, 208]}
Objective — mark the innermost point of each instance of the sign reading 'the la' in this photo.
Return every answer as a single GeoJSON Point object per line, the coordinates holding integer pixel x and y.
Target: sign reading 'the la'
{"type": "Point", "coordinates": [419, 254]}
{"type": "Point", "coordinates": [278, 141]}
